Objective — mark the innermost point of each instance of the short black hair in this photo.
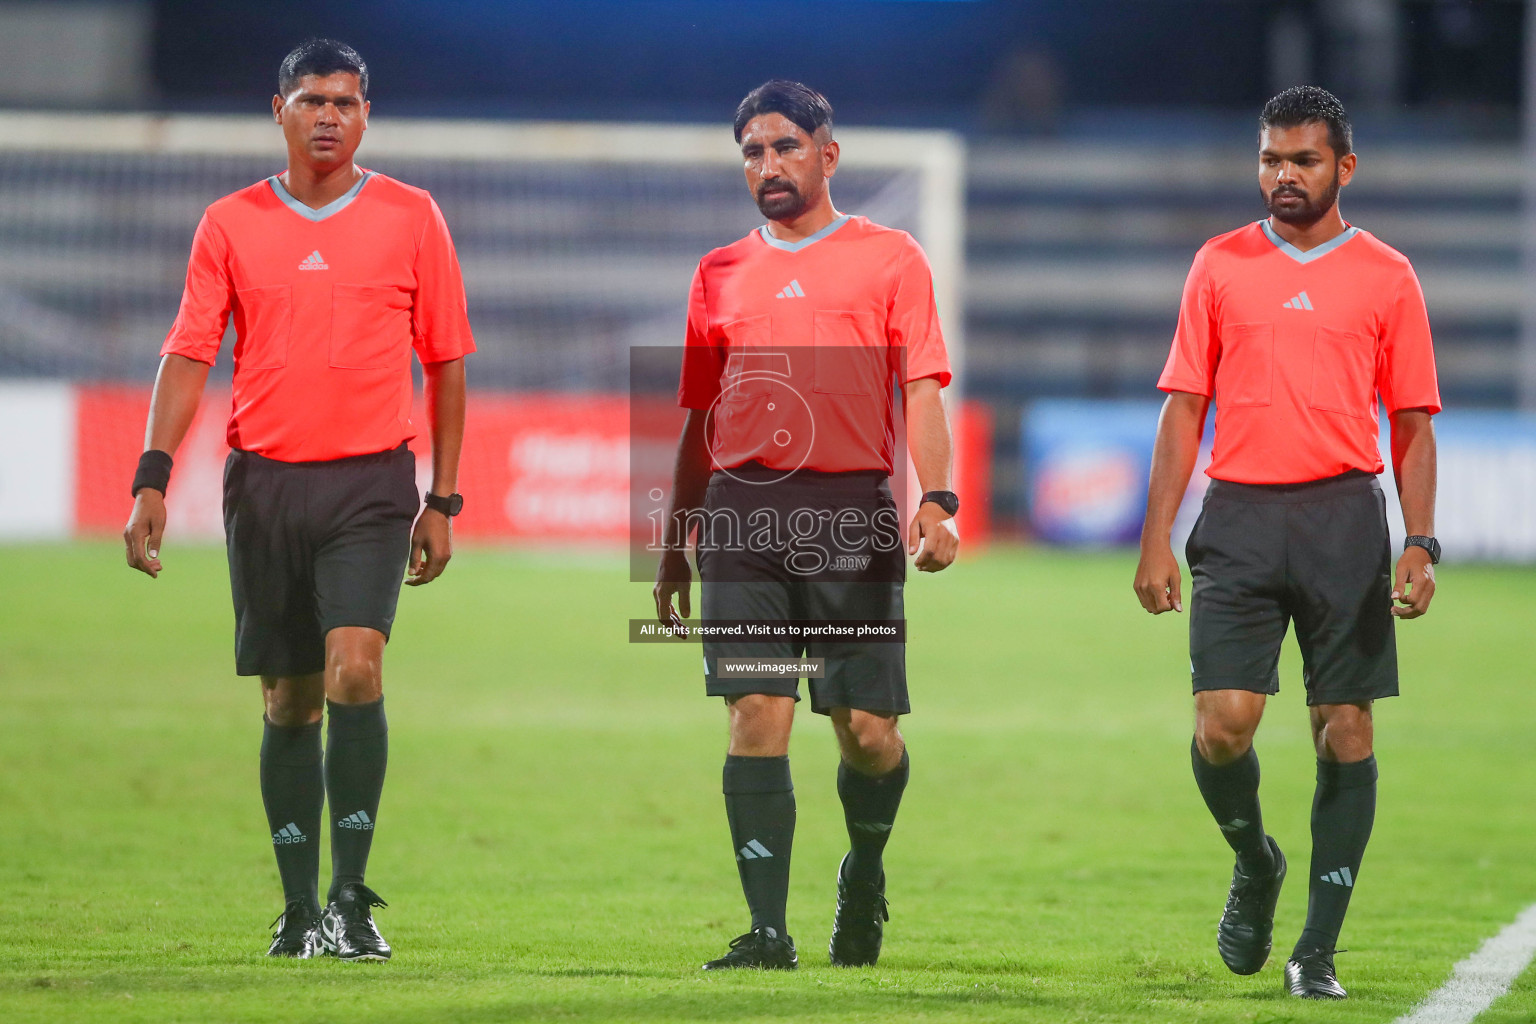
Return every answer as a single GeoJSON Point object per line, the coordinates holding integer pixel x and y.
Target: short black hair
{"type": "Point", "coordinates": [807, 108]}
{"type": "Point", "coordinates": [320, 57]}
{"type": "Point", "coordinates": [1309, 104]}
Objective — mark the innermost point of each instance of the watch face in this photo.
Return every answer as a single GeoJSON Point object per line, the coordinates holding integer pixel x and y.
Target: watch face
{"type": "Point", "coordinates": [455, 504]}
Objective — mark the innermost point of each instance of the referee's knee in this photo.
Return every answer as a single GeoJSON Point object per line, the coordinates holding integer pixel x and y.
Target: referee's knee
{"type": "Point", "coordinates": [1219, 742]}
{"type": "Point", "coordinates": [353, 678]}
{"type": "Point", "coordinates": [871, 744]}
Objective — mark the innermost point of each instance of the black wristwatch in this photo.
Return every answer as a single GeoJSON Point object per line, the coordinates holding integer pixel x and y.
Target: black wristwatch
{"type": "Point", "coordinates": [949, 501]}
{"type": "Point", "coordinates": [449, 506]}
{"type": "Point", "coordinates": [1428, 544]}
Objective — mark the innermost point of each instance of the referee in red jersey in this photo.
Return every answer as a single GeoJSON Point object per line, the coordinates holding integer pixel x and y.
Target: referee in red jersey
{"type": "Point", "coordinates": [1295, 325]}
{"type": "Point", "coordinates": [797, 335]}
{"type": "Point", "coordinates": [333, 275]}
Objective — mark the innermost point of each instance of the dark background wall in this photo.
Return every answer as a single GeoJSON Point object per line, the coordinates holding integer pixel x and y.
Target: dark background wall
{"type": "Point", "coordinates": [932, 61]}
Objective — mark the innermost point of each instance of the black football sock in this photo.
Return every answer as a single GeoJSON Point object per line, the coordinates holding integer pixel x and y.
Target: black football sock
{"type": "Point", "coordinates": [1343, 810]}
{"type": "Point", "coordinates": [293, 792]}
{"type": "Point", "coordinates": [760, 805]}
{"type": "Point", "coordinates": [1231, 792]}
{"type": "Point", "coordinates": [356, 751]}
{"type": "Point", "coordinates": [869, 810]}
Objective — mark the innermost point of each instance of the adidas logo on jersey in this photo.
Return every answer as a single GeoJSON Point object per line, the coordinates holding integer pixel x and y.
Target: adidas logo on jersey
{"type": "Point", "coordinates": [288, 835]}
{"type": "Point", "coordinates": [314, 261]}
{"type": "Point", "coordinates": [1339, 877]}
{"type": "Point", "coordinates": [794, 291]}
{"type": "Point", "coordinates": [358, 819]}
{"type": "Point", "coordinates": [1299, 302]}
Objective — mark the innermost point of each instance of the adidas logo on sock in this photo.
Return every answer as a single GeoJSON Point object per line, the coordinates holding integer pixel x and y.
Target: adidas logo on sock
{"type": "Point", "coordinates": [1235, 825]}
{"type": "Point", "coordinates": [314, 261]}
{"type": "Point", "coordinates": [1299, 302]}
{"type": "Point", "coordinates": [289, 833]}
{"type": "Point", "coordinates": [357, 819]}
{"type": "Point", "coordinates": [1339, 877]}
{"type": "Point", "coordinates": [753, 851]}
{"type": "Point", "coordinates": [794, 291]}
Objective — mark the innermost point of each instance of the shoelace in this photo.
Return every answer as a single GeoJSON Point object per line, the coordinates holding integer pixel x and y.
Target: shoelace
{"type": "Point", "coordinates": [363, 899]}
{"type": "Point", "coordinates": [1248, 887]}
{"type": "Point", "coordinates": [864, 895]}
{"type": "Point", "coordinates": [747, 940]}
{"type": "Point", "coordinates": [278, 922]}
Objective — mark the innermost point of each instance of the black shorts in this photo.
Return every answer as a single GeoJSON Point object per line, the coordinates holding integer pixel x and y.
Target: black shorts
{"type": "Point", "coordinates": [313, 546]}
{"type": "Point", "coordinates": [744, 577]}
{"type": "Point", "coordinates": [1318, 554]}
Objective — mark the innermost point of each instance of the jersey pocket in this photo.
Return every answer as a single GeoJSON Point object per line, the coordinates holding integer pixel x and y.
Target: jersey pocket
{"type": "Point", "coordinates": [1343, 373]}
{"type": "Point", "coordinates": [850, 353]}
{"type": "Point", "coordinates": [370, 327]}
{"type": "Point", "coordinates": [263, 326]}
{"type": "Point", "coordinates": [750, 372]}
{"type": "Point", "coordinates": [1246, 373]}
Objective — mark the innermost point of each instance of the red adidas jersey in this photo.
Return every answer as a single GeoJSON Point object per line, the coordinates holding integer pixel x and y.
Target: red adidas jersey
{"type": "Point", "coordinates": [1296, 346]}
{"type": "Point", "coordinates": [794, 346]}
{"type": "Point", "coordinates": [328, 305]}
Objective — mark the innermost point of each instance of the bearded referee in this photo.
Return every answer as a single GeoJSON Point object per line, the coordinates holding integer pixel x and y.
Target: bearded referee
{"type": "Point", "coordinates": [797, 336]}
{"type": "Point", "coordinates": [333, 275]}
{"type": "Point", "coordinates": [1295, 326]}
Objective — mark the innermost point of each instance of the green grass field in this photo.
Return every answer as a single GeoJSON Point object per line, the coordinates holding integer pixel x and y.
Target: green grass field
{"type": "Point", "coordinates": [553, 840]}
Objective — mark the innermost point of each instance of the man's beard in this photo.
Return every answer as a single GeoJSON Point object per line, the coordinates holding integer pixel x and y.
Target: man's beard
{"type": "Point", "coordinates": [1310, 211]}
{"type": "Point", "coordinates": [784, 202]}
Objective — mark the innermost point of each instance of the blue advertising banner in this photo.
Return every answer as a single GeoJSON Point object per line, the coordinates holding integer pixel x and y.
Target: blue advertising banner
{"type": "Point", "coordinates": [1086, 469]}
{"type": "Point", "coordinates": [1087, 464]}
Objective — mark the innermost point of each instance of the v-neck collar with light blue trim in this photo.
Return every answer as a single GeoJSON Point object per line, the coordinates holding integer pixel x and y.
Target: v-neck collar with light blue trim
{"type": "Point", "coordinates": [331, 208]}
{"type": "Point", "coordinates": [1317, 252]}
{"type": "Point", "coordinates": [808, 240]}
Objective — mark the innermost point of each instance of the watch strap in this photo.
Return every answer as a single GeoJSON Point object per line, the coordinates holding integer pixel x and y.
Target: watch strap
{"type": "Point", "coordinates": [1429, 544]}
{"type": "Point", "coordinates": [949, 501]}
{"type": "Point", "coordinates": [450, 505]}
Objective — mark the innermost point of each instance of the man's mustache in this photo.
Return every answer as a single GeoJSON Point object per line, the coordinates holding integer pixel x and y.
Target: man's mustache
{"type": "Point", "coordinates": [1287, 190]}
{"type": "Point", "coordinates": [770, 188]}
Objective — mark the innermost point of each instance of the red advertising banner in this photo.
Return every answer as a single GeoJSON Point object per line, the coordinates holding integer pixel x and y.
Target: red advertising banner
{"type": "Point", "coordinates": [535, 467]}
{"type": "Point", "coordinates": [973, 470]}
{"type": "Point", "coordinates": [543, 467]}
{"type": "Point", "coordinates": [109, 432]}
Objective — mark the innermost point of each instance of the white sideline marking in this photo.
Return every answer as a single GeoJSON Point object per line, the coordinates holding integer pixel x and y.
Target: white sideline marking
{"type": "Point", "coordinates": [1482, 977]}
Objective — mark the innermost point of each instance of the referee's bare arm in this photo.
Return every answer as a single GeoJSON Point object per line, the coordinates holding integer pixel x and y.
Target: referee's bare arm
{"type": "Point", "coordinates": [928, 439]}
{"type": "Point", "coordinates": [1413, 466]}
{"type": "Point", "coordinates": [178, 390]}
{"type": "Point", "coordinates": [1173, 460]}
{"type": "Point", "coordinates": [432, 537]}
{"type": "Point", "coordinates": [690, 477]}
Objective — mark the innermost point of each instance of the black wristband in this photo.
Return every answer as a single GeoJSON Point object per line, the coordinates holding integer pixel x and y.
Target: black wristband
{"type": "Point", "coordinates": [154, 471]}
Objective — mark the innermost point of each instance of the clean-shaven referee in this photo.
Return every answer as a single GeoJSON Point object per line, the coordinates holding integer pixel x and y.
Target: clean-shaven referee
{"type": "Point", "coordinates": [1295, 325]}
{"type": "Point", "coordinates": [333, 275]}
{"type": "Point", "coordinates": [798, 335]}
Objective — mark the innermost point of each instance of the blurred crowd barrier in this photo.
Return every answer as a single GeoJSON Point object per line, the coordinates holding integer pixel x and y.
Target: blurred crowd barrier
{"type": "Point", "coordinates": [537, 467]}
{"type": "Point", "coordinates": [557, 468]}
